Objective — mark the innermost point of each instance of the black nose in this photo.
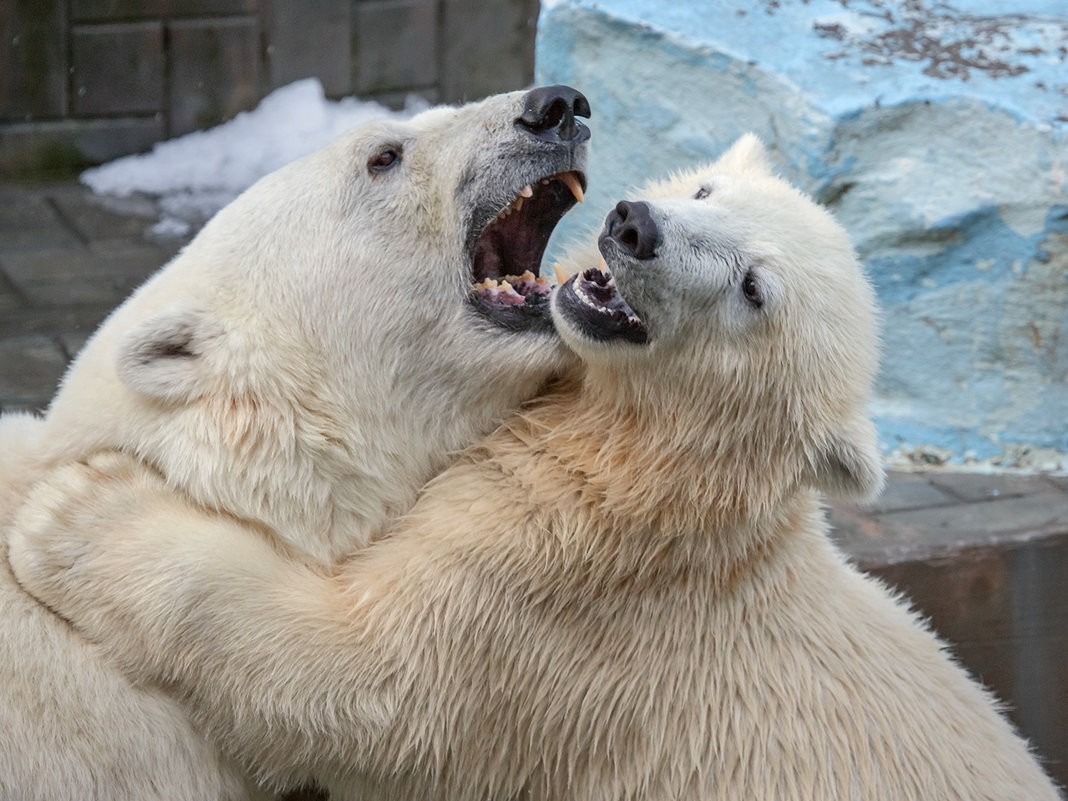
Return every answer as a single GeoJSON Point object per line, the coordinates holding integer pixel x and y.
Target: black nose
{"type": "Point", "coordinates": [549, 114]}
{"type": "Point", "coordinates": [632, 227]}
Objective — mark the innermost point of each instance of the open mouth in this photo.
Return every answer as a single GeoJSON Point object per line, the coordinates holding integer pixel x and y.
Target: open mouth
{"type": "Point", "coordinates": [506, 285]}
{"type": "Point", "coordinates": [592, 303]}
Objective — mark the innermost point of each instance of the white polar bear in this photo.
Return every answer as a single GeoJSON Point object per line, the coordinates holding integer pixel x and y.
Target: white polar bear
{"type": "Point", "coordinates": [324, 346]}
{"type": "Point", "coordinates": [625, 592]}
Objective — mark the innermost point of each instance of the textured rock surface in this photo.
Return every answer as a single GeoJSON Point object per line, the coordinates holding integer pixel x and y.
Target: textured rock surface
{"type": "Point", "coordinates": [937, 133]}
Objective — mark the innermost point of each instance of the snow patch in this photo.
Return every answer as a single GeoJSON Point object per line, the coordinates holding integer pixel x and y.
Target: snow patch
{"type": "Point", "coordinates": [195, 175]}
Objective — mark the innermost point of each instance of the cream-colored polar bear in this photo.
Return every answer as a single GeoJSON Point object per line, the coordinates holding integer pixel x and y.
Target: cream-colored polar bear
{"type": "Point", "coordinates": [626, 592]}
{"type": "Point", "coordinates": [316, 354]}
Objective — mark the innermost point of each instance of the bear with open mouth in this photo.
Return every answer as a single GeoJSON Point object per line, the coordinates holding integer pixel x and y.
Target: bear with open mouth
{"type": "Point", "coordinates": [306, 364]}
{"type": "Point", "coordinates": [627, 591]}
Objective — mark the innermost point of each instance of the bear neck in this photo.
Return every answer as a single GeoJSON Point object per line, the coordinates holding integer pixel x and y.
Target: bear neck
{"type": "Point", "coordinates": [622, 472]}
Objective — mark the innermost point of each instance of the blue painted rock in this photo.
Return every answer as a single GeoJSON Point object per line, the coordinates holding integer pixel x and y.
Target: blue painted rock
{"type": "Point", "coordinates": [938, 137]}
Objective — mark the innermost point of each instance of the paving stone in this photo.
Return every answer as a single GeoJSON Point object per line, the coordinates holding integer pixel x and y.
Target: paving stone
{"type": "Point", "coordinates": [97, 275]}
{"type": "Point", "coordinates": [486, 47]}
{"type": "Point", "coordinates": [28, 221]}
{"type": "Point", "coordinates": [130, 258]}
{"type": "Point", "coordinates": [23, 239]}
{"type": "Point", "coordinates": [909, 491]}
{"type": "Point", "coordinates": [106, 257]}
{"type": "Point", "coordinates": [33, 61]}
{"type": "Point", "coordinates": [102, 10]}
{"type": "Point", "coordinates": [72, 344]}
{"type": "Point", "coordinates": [394, 45]}
{"type": "Point", "coordinates": [1060, 482]}
{"type": "Point", "coordinates": [981, 487]}
{"type": "Point", "coordinates": [9, 296]}
{"type": "Point", "coordinates": [94, 218]}
{"type": "Point", "coordinates": [25, 210]}
{"type": "Point", "coordinates": [215, 71]}
{"type": "Point", "coordinates": [27, 320]}
{"type": "Point", "coordinates": [310, 38]}
{"type": "Point", "coordinates": [62, 149]}
{"type": "Point", "coordinates": [117, 69]}
{"type": "Point", "coordinates": [30, 369]}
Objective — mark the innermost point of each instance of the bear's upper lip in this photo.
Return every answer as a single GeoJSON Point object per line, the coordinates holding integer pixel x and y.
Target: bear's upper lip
{"type": "Point", "coordinates": [506, 260]}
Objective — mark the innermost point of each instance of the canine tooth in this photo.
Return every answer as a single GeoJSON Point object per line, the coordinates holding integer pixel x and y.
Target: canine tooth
{"type": "Point", "coordinates": [573, 184]}
{"type": "Point", "coordinates": [561, 273]}
{"type": "Point", "coordinates": [526, 191]}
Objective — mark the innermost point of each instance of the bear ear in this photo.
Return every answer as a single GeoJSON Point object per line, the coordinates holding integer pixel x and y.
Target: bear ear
{"type": "Point", "coordinates": [166, 355]}
{"type": "Point", "coordinates": [748, 154]}
{"type": "Point", "coordinates": [848, 466]}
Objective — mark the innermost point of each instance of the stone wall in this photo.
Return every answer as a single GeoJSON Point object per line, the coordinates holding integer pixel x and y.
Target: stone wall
{"type": "Point", "coordinates": [938, 133]}
{"type": "Point", "coordinates": [84, 81]}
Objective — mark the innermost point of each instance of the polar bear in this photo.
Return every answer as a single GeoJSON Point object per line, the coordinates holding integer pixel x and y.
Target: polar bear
{"type": "Point", "coordinates": [627, 591]}
{"type": "Point", "coordinates": [319, 351]}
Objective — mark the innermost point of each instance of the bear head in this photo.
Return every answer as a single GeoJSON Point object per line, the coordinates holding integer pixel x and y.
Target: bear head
{"type": "Point", "coordinates": [732, 308]}
{"type": "Point", "coordinates": [333, 335]}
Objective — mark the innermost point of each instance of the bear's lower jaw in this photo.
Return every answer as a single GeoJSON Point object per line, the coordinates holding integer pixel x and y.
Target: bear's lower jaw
{"type": "Point", "coordinates": [530, 314]}
{"type": "Point", "coordinates": [592, 304]}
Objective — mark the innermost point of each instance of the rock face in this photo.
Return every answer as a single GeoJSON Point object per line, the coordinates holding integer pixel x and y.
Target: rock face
{"type": "Point", "coordinates": [937, 133]}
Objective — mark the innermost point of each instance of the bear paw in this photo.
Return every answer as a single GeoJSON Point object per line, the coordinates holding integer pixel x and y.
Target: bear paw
{"type": "Point", "coordinates": [64, 518]}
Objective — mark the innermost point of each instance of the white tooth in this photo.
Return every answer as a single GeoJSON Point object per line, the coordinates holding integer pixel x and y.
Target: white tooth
{"type": "Point", "coordinates": [527, 191]}
{"type": "Point", "coordinates": [518, 203]}
{"type": "Point", "coordinates": [572, 182]}
{"type": "Point", "coordinates": [505, 286]}
{"type": "Point", "coordinates": [541, 279]}
{"type": "Point", "coordinates": [490, 283]}
{"type": "Point", "coordinates": [561, 274]}
{"type": "Point", "coordinates": [527, 276]}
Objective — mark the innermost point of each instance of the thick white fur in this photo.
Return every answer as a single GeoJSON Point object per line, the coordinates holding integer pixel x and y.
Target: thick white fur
{"type": "Point", "coordinates": [626, 592]}
{"type": "Point", "coordinates": [71, 726]}
{"type": "Point", "coordinates": [305, 364]}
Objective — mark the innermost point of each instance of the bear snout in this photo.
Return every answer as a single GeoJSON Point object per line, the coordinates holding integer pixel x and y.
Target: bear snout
{"type": "Point", "coordinates": [633, 229]}
{"type": "Point", "coordinates": [549, 114]}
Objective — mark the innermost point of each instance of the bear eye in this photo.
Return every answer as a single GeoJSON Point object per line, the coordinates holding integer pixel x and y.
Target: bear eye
{"type": "Point", "coordinates": [751, 290]}
{"type": "Point", "coordinates": [384, 159]}
{"type": "Point", "coordinates": [702, 193]}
